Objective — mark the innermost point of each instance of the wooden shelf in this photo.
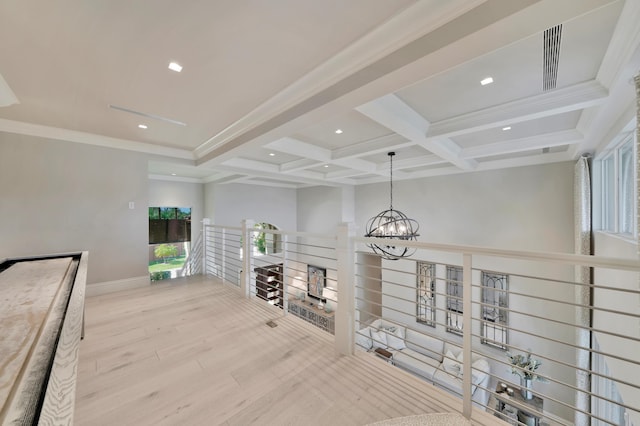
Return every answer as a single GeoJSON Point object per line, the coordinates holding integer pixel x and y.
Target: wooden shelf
{"type": "Point", "coordinates": [269, 284]}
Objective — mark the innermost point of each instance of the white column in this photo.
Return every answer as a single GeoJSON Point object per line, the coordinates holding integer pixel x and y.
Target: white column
{"type": "Point", "coordinates": [345, 312]}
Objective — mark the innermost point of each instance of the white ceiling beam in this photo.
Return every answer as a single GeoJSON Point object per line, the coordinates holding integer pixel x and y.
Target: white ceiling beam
{"type": "Point", "coordinates": [567, 137]}
{"type": "Point", "coordinates": [529, 160]}
{"type": "Point", "coordinates": [383, 144]}
{"type": "Point", "coordinates": [254, 180]}
{"type": "Point", "coordinates": [578, 96]}
{"type": "Point", "coordinates": [301, 149]}
{"type": "Point", "coordinates": [423, 160]}
{"type": "Point", "coordinates": [297, 165]}
{"type": "Point", "coordinates": [393, 113]}
{"type": "Point", "coordinates": [244, 163]}
{"type": "Point", "coordinates": [305, 177]}
{"type": "Point", "coordinates": [357, 164]}
{"type": "Point", "coordinates": [341, 174]}
{"type": "Point", "coordinates": [450, 151]}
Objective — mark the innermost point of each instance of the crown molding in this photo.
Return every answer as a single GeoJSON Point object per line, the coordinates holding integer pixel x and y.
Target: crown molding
{"type": "Point", "coordinates": [22, 128]}
{"type": "Point", "coordinates": [175, 179]}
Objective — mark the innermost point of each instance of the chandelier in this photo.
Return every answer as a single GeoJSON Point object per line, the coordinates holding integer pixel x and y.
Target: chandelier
{"type": "Point", "coordinates": [392, 225]}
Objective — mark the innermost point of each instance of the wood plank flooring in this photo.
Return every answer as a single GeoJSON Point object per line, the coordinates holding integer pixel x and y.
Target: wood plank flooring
{"type": "Point", "coordinates": [194, 352]}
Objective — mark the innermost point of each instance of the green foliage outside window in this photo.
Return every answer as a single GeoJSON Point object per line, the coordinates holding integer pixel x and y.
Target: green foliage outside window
{"type": "Point", "coordinates": [165, 250]}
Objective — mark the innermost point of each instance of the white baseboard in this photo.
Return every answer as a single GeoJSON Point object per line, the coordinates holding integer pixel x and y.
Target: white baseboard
{"type": "Point", "coordinates": [118, 285]}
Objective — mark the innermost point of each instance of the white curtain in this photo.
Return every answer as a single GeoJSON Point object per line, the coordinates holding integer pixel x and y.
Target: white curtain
{"type": "Point", "coordinates": [582, 221]}
{"type": "Point", "coordinates": [637, 79]}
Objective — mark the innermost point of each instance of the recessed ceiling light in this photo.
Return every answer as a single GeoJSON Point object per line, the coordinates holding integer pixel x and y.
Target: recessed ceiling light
{"type": "Point", "coordinates": [271, 154]}
{"type": "Point", "coordinates": [338, 131]}
{"type": "Point", "coordinates": [506, 128]}
{"type": "Point", "coordinates": [486, 81]}
{"type": "Point", "coordinates": [174, 66]}
{"type": "Point", "coordinates": [326, 166]}
{"type": "Point", "coordinates": [173, 174]}
{"type": "Point", "coordinates": [142, 126]}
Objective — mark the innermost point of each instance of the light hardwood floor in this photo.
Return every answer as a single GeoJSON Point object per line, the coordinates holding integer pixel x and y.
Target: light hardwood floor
{"type": "Point", "coordinates": [194, 352]}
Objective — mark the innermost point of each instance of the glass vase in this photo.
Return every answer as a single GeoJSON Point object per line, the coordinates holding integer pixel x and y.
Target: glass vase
{"type": "Point", "coordinates": [526, 388]}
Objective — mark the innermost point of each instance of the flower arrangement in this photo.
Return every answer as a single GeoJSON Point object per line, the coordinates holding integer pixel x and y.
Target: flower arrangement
{"type": "Point", "coordinates": [525, 366]}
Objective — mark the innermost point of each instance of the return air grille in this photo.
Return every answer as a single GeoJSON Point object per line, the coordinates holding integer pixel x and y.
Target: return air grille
{"type": "Point", "coordinates": [552, 37]}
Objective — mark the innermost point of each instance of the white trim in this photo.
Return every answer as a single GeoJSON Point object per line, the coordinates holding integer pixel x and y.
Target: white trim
{"type": "Point", "coordinates": [23, 128]}
{"type": "Point", "coordinates": [118, 285]}
{"type": "Point", "coordinates": [7, 97]}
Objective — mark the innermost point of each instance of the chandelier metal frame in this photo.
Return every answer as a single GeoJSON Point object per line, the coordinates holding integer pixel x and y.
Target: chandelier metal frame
{"type": "Point", "coordinates": [392, 224]}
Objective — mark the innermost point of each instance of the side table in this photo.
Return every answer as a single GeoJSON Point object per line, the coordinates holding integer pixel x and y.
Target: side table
{"type": "Point", "coordinates": [384, 354]}
{"type": "Point", "coordinates": [528, 410]}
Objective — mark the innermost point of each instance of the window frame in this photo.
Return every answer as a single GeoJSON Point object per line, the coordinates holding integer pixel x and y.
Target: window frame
{"type": "Point", "coordinates": [608, 186]}
{"type": "Point", "coordinates": [500, 305]}
{"type": "Point", "coordinates": [454, 300]}
{"type": "Point", "coordinates": [426, 294]}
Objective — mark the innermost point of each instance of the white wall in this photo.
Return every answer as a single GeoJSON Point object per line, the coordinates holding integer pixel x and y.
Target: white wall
{"type": "Point", "coordinates": [179, 194]}
{"type": "Point", "coordinates": [229, 204]}
{"type": "Point", "coordinates": [319, 209]}
{"type": "Point", "coordinates": [528, 208]}
{"type": "Point", "coordinates": [61, 196]}
{"type": "Point", "coordinates": [612, 246]}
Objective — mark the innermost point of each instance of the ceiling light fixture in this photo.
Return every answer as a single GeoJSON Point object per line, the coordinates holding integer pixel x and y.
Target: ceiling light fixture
{"type": "Point", "coordinates": [338, 131]}
{"type": "Point", "coordinates": [173, 174]}
{"type": "Point", "coordinates": [506, 128]}
{"type": "Point", "coordinates": [392, 224]}
{"type": "Point", "coordinates": [271, 154]}
{"type": "Point", "coordinates": [486, 81]}
{"type": "Point", "coordinates": [142, 126]}
{"type": "Point", "coordinates": [326, 166]}
{"type": "Point", "coordinates": [174, 66]}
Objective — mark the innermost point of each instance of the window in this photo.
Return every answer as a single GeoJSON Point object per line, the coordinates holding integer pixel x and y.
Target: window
{"type": "Point", "coordinates": [169, 224]}
{"type": "Point", "coordinates": [454, 299]}
{"type": "Point", "coordinates": [426, 294]}
{"type": "Point", "coordinates": [266, 242]}
{"type": "Point", "coordinates": [494, 313]}
{"type": "Point", "coordinates": [615, 177]}
{"type": "Point", "coordinates": [626, 189]}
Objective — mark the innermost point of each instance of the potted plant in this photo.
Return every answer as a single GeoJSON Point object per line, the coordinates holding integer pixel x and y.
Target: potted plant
{"type": "Point", "coordinates": [525, 367]}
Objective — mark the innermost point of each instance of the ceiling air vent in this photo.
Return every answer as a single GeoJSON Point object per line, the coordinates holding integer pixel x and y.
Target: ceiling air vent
{"type": "Point", "coordinates": [551, 58]}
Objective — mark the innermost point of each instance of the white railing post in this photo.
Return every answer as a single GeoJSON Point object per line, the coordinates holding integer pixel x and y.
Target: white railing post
{"type": "Point", "coordinates": [247, 258]}
{"type": "Point", "coordinates": [223, 254]}
{"type": "Point", "coordinates": [345, 311]}
{"type": "Point", "coordinates": [466, 334]}
{"type": "Point", "coordinates": [205, 223]}
{"type": "Point", "coordinates": [285, 273]}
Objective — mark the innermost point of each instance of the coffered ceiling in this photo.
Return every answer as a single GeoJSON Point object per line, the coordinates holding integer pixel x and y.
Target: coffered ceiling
{"type": "Point", "coordinates": [266, 85]}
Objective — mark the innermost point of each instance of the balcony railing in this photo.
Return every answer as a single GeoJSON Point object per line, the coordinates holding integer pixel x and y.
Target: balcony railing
{"type": "Point", "coordinates": [584, 337]}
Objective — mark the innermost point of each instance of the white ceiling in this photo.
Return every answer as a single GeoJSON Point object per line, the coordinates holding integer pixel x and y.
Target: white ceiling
{"type": "Point", "coordinates": [265, 84]}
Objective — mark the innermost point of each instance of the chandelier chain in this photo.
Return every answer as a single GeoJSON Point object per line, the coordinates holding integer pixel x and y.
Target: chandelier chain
{"type": "Point", "coordinates": [391, 154]}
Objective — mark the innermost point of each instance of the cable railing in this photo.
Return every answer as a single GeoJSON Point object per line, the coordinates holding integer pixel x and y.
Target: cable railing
{"type": "Point", "coordinates": [193, 263]}
{"type": "Point", "coordinates": [520, 317]}
{"type": "Point", "coordinates": [223, 253]}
